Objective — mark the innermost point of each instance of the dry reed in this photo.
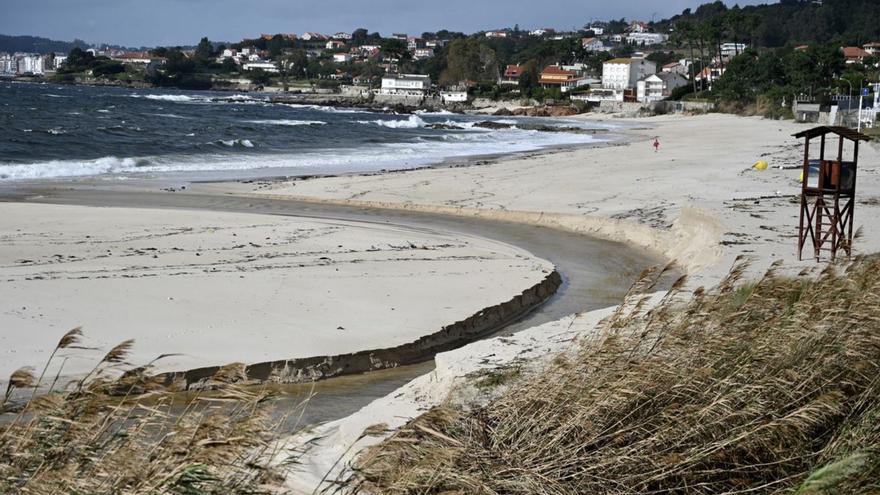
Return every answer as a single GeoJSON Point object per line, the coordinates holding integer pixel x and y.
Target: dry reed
{"type": "Point", "coordinates": [764, 387]}
{"type": "Point", "coordinates": [118, 431]}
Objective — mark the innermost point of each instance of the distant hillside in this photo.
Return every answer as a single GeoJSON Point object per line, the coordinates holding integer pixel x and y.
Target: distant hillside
{"type": "Point", "coordinates": [791, 22]}
{"type": "Point", "coordinates": [35, 44]}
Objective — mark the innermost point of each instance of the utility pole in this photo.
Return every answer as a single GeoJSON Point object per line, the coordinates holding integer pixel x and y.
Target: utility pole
{"type": "Point", "coordinates": [862, 93]}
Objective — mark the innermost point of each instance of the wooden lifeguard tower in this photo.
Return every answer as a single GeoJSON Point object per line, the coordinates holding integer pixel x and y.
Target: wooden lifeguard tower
{"type": "Point", "coordinates": [828, 193]}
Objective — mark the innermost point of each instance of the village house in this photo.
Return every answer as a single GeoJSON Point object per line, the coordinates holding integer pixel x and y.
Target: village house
{"type": "Point", "coordinates": [597, 30]}
{"type": "Point", "coordinates": [134, 58]}
{"type": "Point", "coordinates": [554, 76]}
{"type": "Point", "coordinates": [454, 95]}
{"type": "Point", "coordinates": [621, 74]}
{"type": "Point", "coordinates": [423, 53]}
{"type": "Point", "coordinates": [496, 34]}
{"type": "Point", "coordinates": [872, 48]}
{"type": "Point", "coordinates": [658, 86]}
{"type": "Point", "coordinates": [261, 65]}
{"type": "Point", "coordinates": [335, 45]}
{"type": "Point", "coordinates": [405, 85]}
{"type": "Point", "coordinates": [593, 45]}
{"type": "Point", "coordinates": [29, 63]}
{"type": "Point", "coordinates": [342, 36]}
{"type": "Point", "coordinates": [436, 43]}
{"type": "Point", "coordinates": [342, 58]}
{"type": "Point", "coordinates": [709, 75]}
{"type": "Point", "coordinates": [680, 67]}
{"type": "Point", "coordinates": [646, 39]}
{"type": "Point", "coordinates": [541, 32]}
{"type": "Point", "coordinates": [412, 43]}
{"type": "Point", "coordinates": [638, 27]}
{"type": "Point", "coordinates": [312, 36]}
{"type": "Point", "coordinates": [854, 54]}
{"type": "Point", "coordinates": [732, 49]}
{"type": "Point", "coordinates": [511, 75]}
{"type": "Point", "coordinates": [400, 36]}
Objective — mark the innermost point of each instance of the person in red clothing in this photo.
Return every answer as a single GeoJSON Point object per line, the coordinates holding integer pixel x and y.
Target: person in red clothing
{"type": "Point", "coordinates": [656, 145]}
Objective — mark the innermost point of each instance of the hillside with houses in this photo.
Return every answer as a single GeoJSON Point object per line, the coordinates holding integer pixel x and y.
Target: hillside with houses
{"type": "Point", "coordinates": [712, 57]}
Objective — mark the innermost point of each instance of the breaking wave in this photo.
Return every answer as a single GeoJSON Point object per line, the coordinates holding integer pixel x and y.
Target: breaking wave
{"type": "Point", "coordinates": [413, 122]}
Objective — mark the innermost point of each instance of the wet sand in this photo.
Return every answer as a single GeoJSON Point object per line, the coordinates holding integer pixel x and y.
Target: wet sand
{"type": "Point", "coordinates": [596, 273]}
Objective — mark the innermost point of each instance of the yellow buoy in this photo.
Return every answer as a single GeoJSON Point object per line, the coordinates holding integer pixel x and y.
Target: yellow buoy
{"type": "Point", "coordinates": [760, 165]}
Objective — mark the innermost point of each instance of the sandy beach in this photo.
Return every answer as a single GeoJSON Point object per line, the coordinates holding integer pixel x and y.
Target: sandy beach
{"type": "Point", "coordinates": [217, 288]}
{"type": "Point", "coordinates": [697, 201]}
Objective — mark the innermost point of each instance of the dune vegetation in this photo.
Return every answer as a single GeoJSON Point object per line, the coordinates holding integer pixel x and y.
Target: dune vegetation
{"type": "Point", "coordinates": [770, 386]}
{"type": "Point", "coordinates": [119, 430]}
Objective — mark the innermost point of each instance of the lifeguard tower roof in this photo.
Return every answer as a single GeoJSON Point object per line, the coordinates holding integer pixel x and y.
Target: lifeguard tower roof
{"type": "Point", "coordinates": [844, 132]}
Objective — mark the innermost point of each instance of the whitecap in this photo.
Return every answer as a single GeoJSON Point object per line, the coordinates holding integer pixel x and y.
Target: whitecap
{"type": "Point", "coordinates": [286, 122]}
{"type": "Point", "coordinates": [413, 122]}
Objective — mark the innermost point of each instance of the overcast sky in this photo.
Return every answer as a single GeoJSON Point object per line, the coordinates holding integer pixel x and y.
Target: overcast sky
{"type": "Point", "coordinates": [183, 22]}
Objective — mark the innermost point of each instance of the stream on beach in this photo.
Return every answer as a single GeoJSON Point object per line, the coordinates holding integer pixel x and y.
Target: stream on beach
{"type": "Point", "coordinates": [596, 274]}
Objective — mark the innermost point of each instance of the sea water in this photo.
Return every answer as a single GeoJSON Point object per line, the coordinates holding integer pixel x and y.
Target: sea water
{"type": "Point", "coordinates": [52, 131]}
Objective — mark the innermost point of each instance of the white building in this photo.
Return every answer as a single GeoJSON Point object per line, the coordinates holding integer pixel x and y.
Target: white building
{"type": "Point", "coordinates": [59, 60]}
{"type": "Point", "coordinates": [8, 65]}
{"type": "Point", "coordinates": [593, 45]}
{"type": "Point", "coordinates": [264, 65]}
{"type": "Point", "coordinates": [334, 45]}
{"type": "Point", "coordinates": [342, 36]}
{"type": "Point", "coordinates": [342, 58]}
{"type": "Point", "coordinates": [30, 63]}
{"type": "Point", "coordinates": [597, 30]}
{"type": "Point", "coordinates": [312, 36]}
{"type": "Point", "coordinates": [646, 39]}
{"type": "Point", "coordinates": [732, 49]}
{"type": "Point", "coordinates": [405, 84]}
{"type": "Point", "coordinates": [659, 86]}
{"type": "Point", "coordinates": [638, 27]}
{"type": "Point", "coordinates": [423, 53]}
{"type": "Point", "coordinates": [541, 32]}
{"type": "Point", "coordinates": [496, 34]}
{"type": "Point", "coordinates": [453, 95]}
{"type": "Point", "coordinates": [623, 73]}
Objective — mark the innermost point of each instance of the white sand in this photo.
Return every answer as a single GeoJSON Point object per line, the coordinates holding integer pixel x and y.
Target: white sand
{"type": "Point", "coordinates": [698, 201]}
{"type": "Point", "coordinates": [220, 287]}
{"type": "Point", "coordinates": [693, 201]}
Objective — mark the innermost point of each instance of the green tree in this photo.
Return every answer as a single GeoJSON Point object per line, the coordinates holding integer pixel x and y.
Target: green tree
{"type": "Point", "coordinates": [470, 60]}
{"type": "Point", "coordinates": [395, 48]}
{"type": "Point", "coordinates": [204, 51]}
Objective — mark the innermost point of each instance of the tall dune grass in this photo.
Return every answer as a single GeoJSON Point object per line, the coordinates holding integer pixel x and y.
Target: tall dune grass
{"type": "Point", "coordinates": [766, 387]}
{"type": "Point", "coordinates": [118, 431]}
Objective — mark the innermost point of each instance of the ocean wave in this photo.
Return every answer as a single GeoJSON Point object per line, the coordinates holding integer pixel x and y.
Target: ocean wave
{"type": "Point", "coordinates": [246, 143]}
{"type": "Point", "coordinates": [56, 131]}
{"type": "Point", "coordinates": [432, 112]}
{"type": "Point", "coordinates": [323, 108]}
{"type": "Point", "coordinates": [175, 98]}
{"type": "Point", "coordinates": [389, 156]}
{"type": "Point", "coordinates": [169, 115]}
{"type": "Point", "coordinates": [286, 122]}
{"type": "Point", "coordinates": [413, 122]}
{"type": "Point", "coordinates": [70, 168]}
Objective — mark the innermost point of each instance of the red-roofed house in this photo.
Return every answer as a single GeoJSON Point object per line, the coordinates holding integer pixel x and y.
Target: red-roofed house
{"type": "Point", "coordinates": [555, 77]}
{"type": "Point", "coordinates": [511, 75]}
{"type": "Point", "coordinates": [854, 54]}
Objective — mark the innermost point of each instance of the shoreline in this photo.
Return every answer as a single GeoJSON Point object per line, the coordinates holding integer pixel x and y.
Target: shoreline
{"type": "Point", "coordinates": [566, 301]}
{"type": "Point", "coordinates": [698, 197]}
